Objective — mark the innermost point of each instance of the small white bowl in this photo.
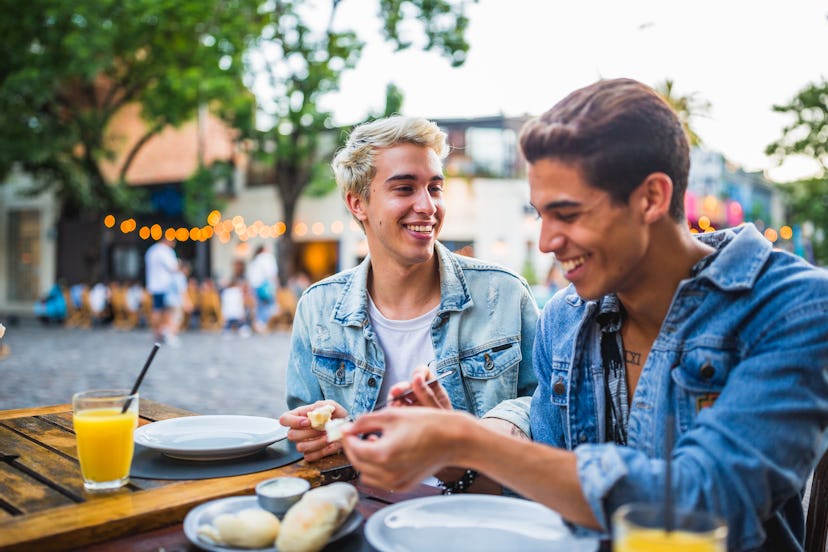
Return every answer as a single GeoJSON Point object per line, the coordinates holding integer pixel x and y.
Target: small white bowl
{"type": "Point", "coordinates": [278, 494]}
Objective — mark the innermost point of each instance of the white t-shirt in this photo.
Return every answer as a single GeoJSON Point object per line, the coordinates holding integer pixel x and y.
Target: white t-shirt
{"type": "Point", "coordinates": [161, 264]}
{"type": "Point", "coordinates": [406, 344]}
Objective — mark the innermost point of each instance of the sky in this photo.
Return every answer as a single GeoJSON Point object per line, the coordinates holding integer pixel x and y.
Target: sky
{"type": "Point", "coordinates": [741, 56]}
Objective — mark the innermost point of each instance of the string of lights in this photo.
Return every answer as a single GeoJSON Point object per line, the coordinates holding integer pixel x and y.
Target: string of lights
{"type": "Point", "coordinates": [223, 229]}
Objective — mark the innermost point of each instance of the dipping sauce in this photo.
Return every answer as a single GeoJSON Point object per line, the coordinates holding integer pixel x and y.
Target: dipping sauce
{"type": "Point", "coordinates": [284, 486]}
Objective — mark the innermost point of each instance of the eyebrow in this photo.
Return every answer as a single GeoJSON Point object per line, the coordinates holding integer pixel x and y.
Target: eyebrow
{"type": "Point", "coordinates": [436, 177]}
{"type": "Point", "coordinates": [562, 204]}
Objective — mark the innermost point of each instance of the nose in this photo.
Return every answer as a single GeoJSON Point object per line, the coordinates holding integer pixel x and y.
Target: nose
{"type": "Point", "coordinates": [424, 203]}
{"type": "Point", "coordinates": [551, 238]}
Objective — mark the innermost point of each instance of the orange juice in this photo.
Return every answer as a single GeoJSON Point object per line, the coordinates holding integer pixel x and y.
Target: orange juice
{"type": "Point", "coordinates": [658, 540]}
{"type": "Point", "coordinates": [105, 443]}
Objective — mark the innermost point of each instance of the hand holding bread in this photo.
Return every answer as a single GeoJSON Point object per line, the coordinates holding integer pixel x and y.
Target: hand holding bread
{"type": "Point", "coordinates": [307, 428]}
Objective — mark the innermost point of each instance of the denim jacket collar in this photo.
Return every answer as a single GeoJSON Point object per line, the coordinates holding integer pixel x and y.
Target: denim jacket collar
{"type": "Point", "coordinates": [352, 307]}
{"type": "Point", "coordinates": [737, 267]}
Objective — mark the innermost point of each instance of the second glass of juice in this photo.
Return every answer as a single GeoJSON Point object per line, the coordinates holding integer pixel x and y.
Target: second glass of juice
{"type": "Point", "coordinates": [104, 433]}
{"type": "Point", "coordinates": [641, 528]}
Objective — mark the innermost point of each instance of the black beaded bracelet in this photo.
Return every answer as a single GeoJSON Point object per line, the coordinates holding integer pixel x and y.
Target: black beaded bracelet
{"type": "Point", "coordinates": [461, 485]}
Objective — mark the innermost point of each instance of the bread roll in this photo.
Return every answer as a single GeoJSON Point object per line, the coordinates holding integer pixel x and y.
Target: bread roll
{"type": "Point", "coordinates": [309, 523]}
{"type": "Point", "coordinates": [319, 416]}
{"type": "Point", "coordinates": [250, 528]}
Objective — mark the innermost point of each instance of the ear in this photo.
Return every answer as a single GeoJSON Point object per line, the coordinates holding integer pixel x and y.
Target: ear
{"type": "Point", "coordinates": [356, 205]}
{"type": "Point", "coordinates": [652, 197]}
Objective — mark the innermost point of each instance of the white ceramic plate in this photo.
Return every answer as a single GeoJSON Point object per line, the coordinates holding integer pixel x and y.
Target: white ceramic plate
{"type": "Point", "coordinates": [204, 514]}
{"type": "Point", "coordinates": [210, 437]}
{"type": "Point", "coordinates": [471, 522]}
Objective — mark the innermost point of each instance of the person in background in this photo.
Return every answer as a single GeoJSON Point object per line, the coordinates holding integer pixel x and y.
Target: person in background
{"type": "Point", "coordinates": [366, 333]}
{"type": "Point", "coordinates": [236, 301]}
{"type": "Point", "coordinates": [719, 336]}
{"type": "Point", "coordinates": [161, 264]}
{"type": "Point", "coordinates": [52, 308]}
{"type": "Point", "coordinates": [262, 273]}
{"type": "Point", "coordinates": [178, 301]}
{"type": "Point", "coordinates": [99, 303]}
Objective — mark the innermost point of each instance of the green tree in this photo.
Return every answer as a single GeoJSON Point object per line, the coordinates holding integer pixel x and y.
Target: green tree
{"type": "Point", "coordinates": [68, 67]}
{"type": "Point", "coordinates": [807, 202]}
{"type": "Point", "coordinates": [298, 61]}
{"type": "Point", "coordinates": [807, 136]}
{"type": "Point", "coordinates": [687, 107]}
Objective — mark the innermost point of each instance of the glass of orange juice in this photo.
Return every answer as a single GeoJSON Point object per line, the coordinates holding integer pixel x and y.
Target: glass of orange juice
{"type": "Point", "coordinates": [641, 528]}
{"type": "Point", "coordinates": [104, 430]}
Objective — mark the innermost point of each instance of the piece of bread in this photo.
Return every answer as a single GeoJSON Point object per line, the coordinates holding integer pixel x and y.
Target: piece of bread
{"type": "Point", "coordinates": [249, 528]}
{"type": "Point", "coordinates": [309, 523]}
{"type": "Point", "coordinates": [334, 429]}
{"type": "Point", "coordinates": [319, 416]}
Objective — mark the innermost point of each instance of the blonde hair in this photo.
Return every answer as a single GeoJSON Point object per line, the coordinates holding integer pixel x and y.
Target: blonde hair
{"type": "Point", "coordinates": [354, 164]}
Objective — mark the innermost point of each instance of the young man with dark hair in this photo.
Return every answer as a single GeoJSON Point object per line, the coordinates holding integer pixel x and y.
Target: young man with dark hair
{"type": "Point", "coordinates": [719, 335]}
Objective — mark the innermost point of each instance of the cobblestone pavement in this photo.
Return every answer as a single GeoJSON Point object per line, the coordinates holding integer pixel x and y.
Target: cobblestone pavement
{"type": "Point", "coordinates": [209, 373]}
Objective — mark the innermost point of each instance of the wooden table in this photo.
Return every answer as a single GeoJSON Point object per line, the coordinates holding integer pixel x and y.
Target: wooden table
{"type": "Point", "coordinates": [43, 505]}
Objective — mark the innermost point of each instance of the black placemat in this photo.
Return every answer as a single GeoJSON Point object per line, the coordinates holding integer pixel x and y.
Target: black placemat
{"type": "Point", "coordinates": [151, 464]}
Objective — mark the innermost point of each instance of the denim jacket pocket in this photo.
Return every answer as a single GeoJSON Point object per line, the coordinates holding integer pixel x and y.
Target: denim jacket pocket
{"type": "Point", "coordinates": [491, 361]}
{"type": "Point", "coordinates": [491, 373]}
{"type": "Point", "coordinates": [333, 370]}
{"type": "Point", "coordinates": [699, 379]}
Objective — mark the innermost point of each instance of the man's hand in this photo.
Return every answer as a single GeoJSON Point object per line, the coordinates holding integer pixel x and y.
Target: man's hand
{"type": "Point", "coordinates": [406, 446]}
{"type": "Point", "coordinates": [433, 395]}
{"type": "Point", "coordinates": [310, 442]}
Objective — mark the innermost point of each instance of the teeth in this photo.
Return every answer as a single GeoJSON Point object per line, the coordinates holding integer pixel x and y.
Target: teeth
{"type": "Point", "coordinates": [420, 228]}
{"type": "Point", "coordinates": [571, 264]}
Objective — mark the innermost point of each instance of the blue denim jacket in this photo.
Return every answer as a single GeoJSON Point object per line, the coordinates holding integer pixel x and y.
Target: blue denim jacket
{"type": "Point", "coordinates": [741, 362]}
{"type": "Point", "coordinates": [485, 325]}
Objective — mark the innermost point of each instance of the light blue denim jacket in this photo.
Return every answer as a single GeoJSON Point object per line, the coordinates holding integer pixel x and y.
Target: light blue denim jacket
{"type": "Point", "coordinates": [741, 362]}
{"type": "Point", "coordinates": [485, 325]}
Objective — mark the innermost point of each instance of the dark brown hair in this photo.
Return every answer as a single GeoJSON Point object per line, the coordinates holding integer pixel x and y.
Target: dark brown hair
{"type": "Point", "coordinates": [617, 132]}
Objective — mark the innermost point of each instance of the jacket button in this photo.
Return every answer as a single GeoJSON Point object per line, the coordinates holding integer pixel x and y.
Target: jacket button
{"type": "Point", "coordinates": [372, 382]}
{"type": "Point", "coordinates": [340, 372]}
{"type": "Point", "coordinates": [559, 388]}
{"type": "Point", "coordinates": [707, 370]}
{"type": "Point", "coordinates": [489, 361]}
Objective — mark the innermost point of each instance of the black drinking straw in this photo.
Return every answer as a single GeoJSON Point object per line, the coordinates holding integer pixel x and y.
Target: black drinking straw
{"type": "Point", "coordinates": [669, 521]}
{"type": "Point", "coordinates": [138, 381]}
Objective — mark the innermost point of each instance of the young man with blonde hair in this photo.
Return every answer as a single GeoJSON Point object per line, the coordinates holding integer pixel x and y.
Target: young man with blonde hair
{"type": "Point", "coordinates": [359, 336]}
{"type": "Point", "coordinates": [719, 335]}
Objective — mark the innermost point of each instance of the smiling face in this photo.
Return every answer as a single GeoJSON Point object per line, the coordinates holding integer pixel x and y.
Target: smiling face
{"type": "Point", "coordinates": [403, 213]}
{"type": "Point", "coordinates": [600, 244]}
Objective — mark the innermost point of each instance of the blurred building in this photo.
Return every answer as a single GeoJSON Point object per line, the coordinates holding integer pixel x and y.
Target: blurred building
{"type": "Point", "coordinates": [728, 195]}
